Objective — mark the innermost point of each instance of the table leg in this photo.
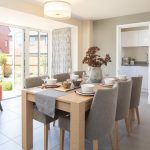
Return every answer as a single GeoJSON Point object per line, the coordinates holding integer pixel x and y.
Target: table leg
{"type": "Point", "coordinates": [77, 126]}
{"type": "Point", "coordinates": [27, 122]}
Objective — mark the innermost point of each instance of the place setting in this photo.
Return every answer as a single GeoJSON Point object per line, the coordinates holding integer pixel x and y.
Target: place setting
{"type": "Point", "coordinates": [86, 90]}
{"type": "Point", "coordinates": [72, 83]}
{"type": "Point", "coordinates": [50, 83]}
{"type": "Point", "coordinates": [110, 81]}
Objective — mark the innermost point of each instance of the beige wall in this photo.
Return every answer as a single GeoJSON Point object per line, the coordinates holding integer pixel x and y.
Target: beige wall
{"type": "Point", "coordinates": [84, 27]}
{"type": "Point", "coordinates": [105, 34]}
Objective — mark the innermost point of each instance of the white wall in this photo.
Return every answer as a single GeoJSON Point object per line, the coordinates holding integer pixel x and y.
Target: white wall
{"type": "Point", "coordinates": [21, 19]}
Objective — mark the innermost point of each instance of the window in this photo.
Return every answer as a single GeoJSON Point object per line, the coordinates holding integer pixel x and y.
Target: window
{"type": "Point", "coordinates": [38, 53]}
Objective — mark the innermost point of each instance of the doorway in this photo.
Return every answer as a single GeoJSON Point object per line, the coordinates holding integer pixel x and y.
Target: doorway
{"type": "Point", "coordinates": [132, 56]}
{"type": "Point", "coordinates": [26, 54]}
{"type": "Point", "coordinates": [11, 52]}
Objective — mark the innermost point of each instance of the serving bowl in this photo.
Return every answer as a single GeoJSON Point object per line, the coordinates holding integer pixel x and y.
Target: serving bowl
{"type": "Point", "coordinates": [66, 85]}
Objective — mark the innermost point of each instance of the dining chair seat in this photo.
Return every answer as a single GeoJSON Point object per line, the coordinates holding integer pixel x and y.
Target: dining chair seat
{"type": "Point", "coordinates": [99, 120]}
{"type": "Point", "coordinates": [37, 115]}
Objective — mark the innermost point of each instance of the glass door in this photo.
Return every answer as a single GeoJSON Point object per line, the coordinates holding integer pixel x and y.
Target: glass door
{"type": "Point", "coordinates": [33, 53]}
{"type": "Point", "coordinates": [43, 53]}
{"type": "Point", "coordinates": [18, 63]}
{"type": "Point", "coordinates": [37, 54]}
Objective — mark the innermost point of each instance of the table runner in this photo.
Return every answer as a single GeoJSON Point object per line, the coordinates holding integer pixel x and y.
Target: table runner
{"type": "Point", "coordinates": [45, 101]}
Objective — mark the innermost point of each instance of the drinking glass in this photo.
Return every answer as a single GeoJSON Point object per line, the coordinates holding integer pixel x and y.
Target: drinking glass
{"type": "Point", "coordinates": [45, 80]}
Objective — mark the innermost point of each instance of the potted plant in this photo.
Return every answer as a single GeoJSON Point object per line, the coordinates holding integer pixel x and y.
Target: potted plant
{"type": "Point", "coordinates": [5, 69]}
{"type": "Point", "coordinates": [95, 61]}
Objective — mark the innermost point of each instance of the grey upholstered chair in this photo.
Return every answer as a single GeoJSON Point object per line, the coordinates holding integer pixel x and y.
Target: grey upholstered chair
{"type": "Point", "coordinates": [80, 73]}
{"type": "Point", "coordinates": [62, 77]}
{"type": "Point", "coordinates": [101, 117]}
{"type": "Point", "coordinates": [33, 82]}
{"type": "Point", "coordinates": [135, 97]}
{"type": "Point", "coordinates": [123, 104]}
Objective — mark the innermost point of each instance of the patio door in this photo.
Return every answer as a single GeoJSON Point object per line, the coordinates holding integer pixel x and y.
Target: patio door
{"type": "Point", "coordinates": [18, 66]}
{"type": "Point", "coordinates": [36, 56]}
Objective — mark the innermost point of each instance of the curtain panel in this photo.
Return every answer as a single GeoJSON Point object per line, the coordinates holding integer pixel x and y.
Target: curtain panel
{"type": "Point", "coordinates": [61, 51]}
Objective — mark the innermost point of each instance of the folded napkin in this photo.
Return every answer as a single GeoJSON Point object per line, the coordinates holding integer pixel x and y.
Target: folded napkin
{"type": "Point", "coordinates": [45, 101]}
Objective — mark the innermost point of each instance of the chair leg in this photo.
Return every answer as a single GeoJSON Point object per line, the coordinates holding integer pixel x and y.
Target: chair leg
{"type": "Point", "coordinates": [137, 114]}
{"type": "Point", "coordinates": [62, 133]}
{"type": "Point", "coordinates": [128, 126]}
{"type": "Point", "coordinates": [113, 141]}
{"type": "Point", "coordinates": [117, 135]}
{"type": "Point", "coordinates": [46, 126]}
{"type": "Point", "coordinates": [130, 119]}
{"type": "Point", "coordinates": [133, 114]}
{"type": "Point", "coordinates": [1, 108]}
{"type": "Point", "coordinates": [95, 144]}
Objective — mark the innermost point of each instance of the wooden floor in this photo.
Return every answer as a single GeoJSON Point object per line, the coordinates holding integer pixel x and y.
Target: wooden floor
{"type": "Point", "coordinates": [10, 130]}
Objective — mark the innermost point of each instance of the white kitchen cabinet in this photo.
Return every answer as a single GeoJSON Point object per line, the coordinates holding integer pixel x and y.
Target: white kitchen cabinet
{"type": "Point", "coordinates": [131, 71]}
{"type": "Point", "coordinates": [129, 38]}
{"type": "Point", "coordinates": [143, 38]}
{"type": "Point", "coordinates": [134, 38]}
{"type": "Point", "coordinates": [144, 72]}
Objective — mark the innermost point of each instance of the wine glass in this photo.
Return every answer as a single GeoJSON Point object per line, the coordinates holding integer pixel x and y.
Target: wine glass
{"type": "Point", "coordinates": [45, 80]}
{"type": "Point", "coordinates": [85, 77]}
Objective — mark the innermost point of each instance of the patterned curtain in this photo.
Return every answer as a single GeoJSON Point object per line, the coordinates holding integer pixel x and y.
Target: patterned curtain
{"type": "Point", "coordinates": [61, 51]}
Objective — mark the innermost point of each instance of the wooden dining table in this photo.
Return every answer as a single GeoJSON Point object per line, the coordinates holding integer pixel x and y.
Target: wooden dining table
{"type": "Point", "coordinates": [73, 103]}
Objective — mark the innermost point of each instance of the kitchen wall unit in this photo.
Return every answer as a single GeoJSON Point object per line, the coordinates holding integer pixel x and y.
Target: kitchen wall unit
{"type": "Point", "coordinates": [133, 52]}
{"type": "Point", "coordinates": [132, 71]}
{"type": "Point", "coordinates": [134, 38]}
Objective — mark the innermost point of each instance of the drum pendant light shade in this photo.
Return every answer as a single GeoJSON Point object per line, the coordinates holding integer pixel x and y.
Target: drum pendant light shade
{"type": "Point", "coordinates": [57, 9]}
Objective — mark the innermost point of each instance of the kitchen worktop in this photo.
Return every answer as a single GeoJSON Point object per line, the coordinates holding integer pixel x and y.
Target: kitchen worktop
{"type": "Point", "coordinates": [137, 63]}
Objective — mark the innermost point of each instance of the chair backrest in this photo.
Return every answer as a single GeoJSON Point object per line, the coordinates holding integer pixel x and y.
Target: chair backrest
{"type": "Point", "coordinates": [34, 81]}
{"type": "Point", "coordinates": [80, 73]}
{"type": "Point", "coordinates": [62, 77]}
{"type": "Point", "coordinates": [136, 91]}
{"type": "Point", "coordinates": [101, 117]}
{"type": "Point", "coordinates": [124, 96]}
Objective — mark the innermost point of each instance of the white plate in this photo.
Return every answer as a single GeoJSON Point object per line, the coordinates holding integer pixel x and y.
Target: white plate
{"type": "Point", "coordinates": [106, 85]}
{"type": "Point", "coordinates": [85, 94]}
{"type": "Point", "coordinates": [123, 79]}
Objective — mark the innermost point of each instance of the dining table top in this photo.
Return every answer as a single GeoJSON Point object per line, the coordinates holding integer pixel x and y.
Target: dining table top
{"type": "Point", "coordinates": [71, 95]}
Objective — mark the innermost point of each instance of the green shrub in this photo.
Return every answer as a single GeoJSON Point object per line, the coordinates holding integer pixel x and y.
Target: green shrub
{"type": "Point", "coordinates": [3, 59]}
{"type": "Point", "coordinates": [6, 85]}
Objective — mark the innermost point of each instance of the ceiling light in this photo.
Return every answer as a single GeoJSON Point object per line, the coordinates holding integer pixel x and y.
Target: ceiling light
{"type": "Point", "coordinates": [57, 9]}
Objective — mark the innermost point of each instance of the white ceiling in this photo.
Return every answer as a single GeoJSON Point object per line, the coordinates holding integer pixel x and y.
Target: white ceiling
{"type": "Point", "coordinates": [100, 9]}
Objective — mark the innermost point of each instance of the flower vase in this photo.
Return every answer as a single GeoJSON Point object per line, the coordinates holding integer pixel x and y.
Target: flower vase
{"type": "Point", "coordinates": [95, 75]}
